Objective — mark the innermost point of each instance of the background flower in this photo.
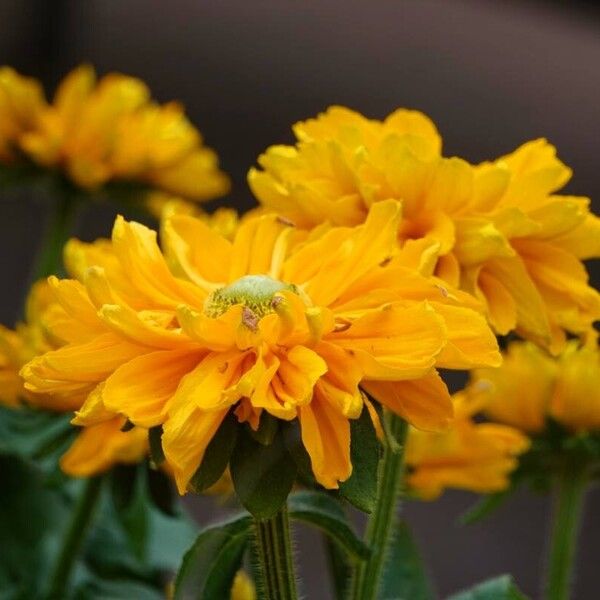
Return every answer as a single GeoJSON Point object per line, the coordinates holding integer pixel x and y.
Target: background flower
{"type": "Point", "coordinates": [496, 230]}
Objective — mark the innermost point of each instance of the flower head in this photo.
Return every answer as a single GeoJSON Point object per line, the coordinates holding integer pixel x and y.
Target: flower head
{"type": "Point", "coordinates": [531, 385]}
{"type": "Point", "coordinates": [21, 102]}
{"type": "Point", "coordinates": [108, 130]}
{"type": "Point", "coordinates": [478, 457]}
{"type": "Point", "coordinates": [498, 230]}
{"type": "Point", "coordinates": [275, 321]}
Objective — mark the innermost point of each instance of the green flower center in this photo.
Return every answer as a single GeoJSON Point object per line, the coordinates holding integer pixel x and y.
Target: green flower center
{"type": "Point", "coordinates": [254, 292]}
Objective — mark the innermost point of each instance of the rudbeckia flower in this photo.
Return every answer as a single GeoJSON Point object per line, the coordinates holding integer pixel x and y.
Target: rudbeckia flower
{"type": "Point", "coordinates": [95, 449]}
{"type": "Point", "coordinates": [276, 321]}
{"type": "Point", "coordinates": [21, 102]}
{"type": "Point", "coordinates": [477, 457]}
{"type": "Point", "coordinates": [497, 230]}
{"type": "Point", "coordinates": [108, 130]}
{"type": "Point", "coordinates": [565, 388]}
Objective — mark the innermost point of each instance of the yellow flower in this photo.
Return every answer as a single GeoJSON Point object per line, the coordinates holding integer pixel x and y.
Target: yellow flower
{"type": "Point", "coordinates": [21, 102]}
{"type": "Point", "coordinates": [243, 587]}
{"type": "Point", "coordinates": [96, 448]}
{"type": "Point", "coordinates": [19, 346]}
{"type": "Point", "coordinates": [498, 230]}
{"type": "Point", "coordinates": [532, 385]}
{"type": "Point", "coordinates": [111, 130]}
{"type": "Point", "coordinates": [478, 457]}
{"type": "Point", "coordinates": [275, 320]}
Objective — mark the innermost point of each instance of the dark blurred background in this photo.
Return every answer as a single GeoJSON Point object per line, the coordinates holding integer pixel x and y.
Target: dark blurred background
{"type": "Point", "coordinates": [491, 74]}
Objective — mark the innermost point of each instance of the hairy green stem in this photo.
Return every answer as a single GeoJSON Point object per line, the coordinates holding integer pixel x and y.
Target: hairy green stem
{"type": "Point", "coordinates": [74, 537]}
{"type": "Point", "coordinates": [58, 231]}
{"type": "Point", "coordinates": [380, 527]}
{"type": "Point", "coordinates": [275, 559]}
{"type": "Point", "coordinates": [566, 522]}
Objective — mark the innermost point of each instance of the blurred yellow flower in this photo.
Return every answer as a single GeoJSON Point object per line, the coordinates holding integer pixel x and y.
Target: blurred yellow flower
{"type": "Point", "coordinates": [496, 230]}
{"type": "Point", "coordinates": [96, 448]}
{"type": "Point", "coordinates": [532, 385]}
{"type": "Point", "coordinates": [478, 457]}
{"type": "Point", "coordinates": [106, 130]}
{"type": "Point", "coordinates": [275, 320]}
{"type": "Point", "coordinates": [21, 102]}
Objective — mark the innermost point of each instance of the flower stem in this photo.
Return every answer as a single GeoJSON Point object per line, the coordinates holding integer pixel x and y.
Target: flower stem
{"type": "Point", "coordinates": [56, 235]}
{"type": "Point", "coordinates": [275, 560]}
{"type": "Point", "coordinates": [74, 537]}
{"type": "Point", "coordinates": [566, 521]}
{"type": "Point", "coordinates": [380, 527]}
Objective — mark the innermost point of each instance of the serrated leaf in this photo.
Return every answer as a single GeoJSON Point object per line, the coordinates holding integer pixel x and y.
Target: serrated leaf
{"type": "Point", "coordinates": [209, 566]}
{"type": "Point", "coordinates": [154, 440]}
{"type": "Point", "coordinates": [498, 588]}
{"type": "Point", "coordinates": [365, 451]}
{"type": "Point", "coordinates": [404, 574]}
{"type": "Point", "coordinates": [323, 511]}
{"type": "Point", "coordinates": [262, 476]}
{"type": "Point", "coordinates": [216, 456]}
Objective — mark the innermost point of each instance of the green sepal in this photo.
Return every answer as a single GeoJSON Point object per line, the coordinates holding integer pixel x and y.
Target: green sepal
{"type": "Point", "coordinates": [365, 452]}
{"type": "Point", "coordinates": [262, 476]}
{"type": "Point", "coordinates": [160, 489]}
{"type": "Point", "coordinates": [209, 566]}
{"type": "Point", "coordinates": [267, 429]}
{"type": "Point", "coordinates": [485, 506]}
{"type": "Point", "coordinates": [127, 426]}
{"type": "Point", "coordinates": [323, 511]}
{"type": "Point", "coordinates": [292, 438]}
{"type": "Point", "coordinates": [217, 455]}
{"type": "Point", "coordinates": [404, 574]}
{"type": "Point", "coordinates": [498, 588]}
{"type": "Point", "coordinates": [156, 450]}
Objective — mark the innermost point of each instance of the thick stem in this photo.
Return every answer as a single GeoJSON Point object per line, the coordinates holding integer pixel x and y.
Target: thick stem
{"type": "Point", "coordinates": [58, 231]}
{"type": "Point", "coordinates": [74, 538]}
{"type": "Point", "coordinates": [275, 559]}
{"type": "Point", "coordinates": [566, 521]}
{"type": "Point", "coordinates": [380, 527]}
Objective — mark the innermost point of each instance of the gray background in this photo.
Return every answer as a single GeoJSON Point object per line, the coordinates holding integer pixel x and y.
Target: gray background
{"type": "Point", "coordinates": [490, 74]}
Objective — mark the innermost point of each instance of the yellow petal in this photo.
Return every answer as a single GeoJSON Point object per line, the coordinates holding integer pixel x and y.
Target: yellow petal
{"type": "Point", "coordinates": [326, 437]}
{"type": "Point", "coordinates": [424, 403]}
{"type": "Point", "coordinates": [394, 342]}
{"type": "Point", "coordinates": [142, 387]}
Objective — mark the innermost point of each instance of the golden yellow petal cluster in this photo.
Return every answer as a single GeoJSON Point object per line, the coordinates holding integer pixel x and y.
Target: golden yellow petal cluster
{"type": "Point", "coordinates": [531, 385]}
{"type": "Point", "coordinates": [276, 320]}
{"type": "Point", "coordinates": [497, 230]}
{"type": "Point", "coordinates": [477, 457]}
{"type": "Point", "coordinates": [95, 449]}
{"type": "Point", "coordinates": [21, 103]}
{"type": "Point", "coordinates": [97, 131]}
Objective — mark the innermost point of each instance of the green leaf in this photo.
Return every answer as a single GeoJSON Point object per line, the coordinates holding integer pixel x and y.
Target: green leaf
{"type": "Point", "coordinates": [216, 456]}
{"type": "Point", "coordinates": [209, 566]}
{"type": "Point", "coordinates": [156, 451]}
{"type": "Point", "coordinates": [499, 588]}
{"type": "Point", "coordinates": [404, 574]}
{"type": "Point", "coordinates": [485, 506]}
{"type": "Point", "coordinates": [365, 451]}
{"type": "Point", "coordinates": [116, 589]}
{"type": "Point", "coordinates": [320, 509]}
{"type": "Point", "coordinates": [262, 475]}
